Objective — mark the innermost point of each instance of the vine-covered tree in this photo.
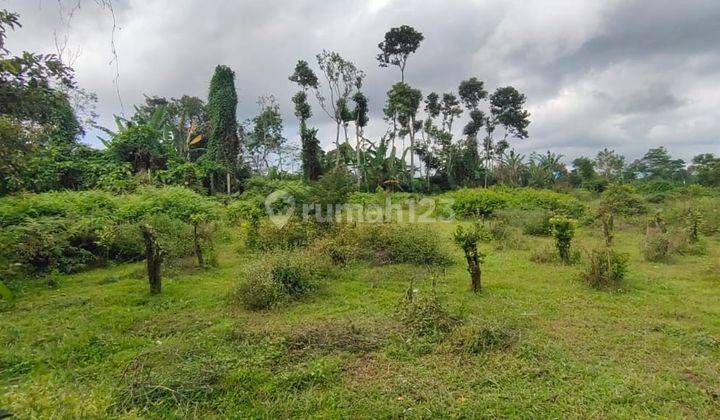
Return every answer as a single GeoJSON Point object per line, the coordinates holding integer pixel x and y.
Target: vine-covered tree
{"type": "Point", "coordinates": [223, 143]}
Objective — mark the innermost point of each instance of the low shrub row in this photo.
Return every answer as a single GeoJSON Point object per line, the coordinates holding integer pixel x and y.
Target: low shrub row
{"type": "Point", "coordinates": [485, 202]}
{"type": "Point", "coordinates": [70, 231]}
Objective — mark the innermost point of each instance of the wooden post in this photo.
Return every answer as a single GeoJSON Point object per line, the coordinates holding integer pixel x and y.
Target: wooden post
{"type": "Point", "coordinates": [154, 257]}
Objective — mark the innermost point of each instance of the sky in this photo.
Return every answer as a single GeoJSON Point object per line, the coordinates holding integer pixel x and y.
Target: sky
{"type": "Point", "coordinates": [626, 75]}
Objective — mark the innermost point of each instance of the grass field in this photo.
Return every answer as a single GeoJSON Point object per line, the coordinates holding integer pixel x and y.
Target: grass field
{"type": "Point", "coordinates": [96, 344]}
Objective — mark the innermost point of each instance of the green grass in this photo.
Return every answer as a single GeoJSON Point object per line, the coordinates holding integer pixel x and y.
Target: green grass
{"type": "Point", "coordinates": [98, 345]}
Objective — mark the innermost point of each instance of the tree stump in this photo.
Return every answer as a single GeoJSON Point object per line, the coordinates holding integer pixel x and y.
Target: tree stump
{"type": "Point", "coordinates": [154, 257]}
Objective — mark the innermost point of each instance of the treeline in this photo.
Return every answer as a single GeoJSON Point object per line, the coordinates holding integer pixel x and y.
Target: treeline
{"type": "Point", "coordinates": [200, 143]}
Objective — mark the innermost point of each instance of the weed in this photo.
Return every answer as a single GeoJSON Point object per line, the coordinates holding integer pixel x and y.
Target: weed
{"type": "Point", "coordinates": [606, 269]}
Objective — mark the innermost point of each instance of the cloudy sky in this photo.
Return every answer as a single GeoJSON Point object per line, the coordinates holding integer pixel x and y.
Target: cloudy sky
{"type": "Point", "coordinates": [628, 75]}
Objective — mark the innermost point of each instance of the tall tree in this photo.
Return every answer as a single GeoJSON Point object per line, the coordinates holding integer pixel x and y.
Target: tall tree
{"type": "Point", "coordinates": [223, 144]}
{"type": "Point", "coordinates": [306, 78]}
{"type": "Point", "coordinates": [472, 92]}
{"type": "Point", "coordinates": [657, 164]}
{"type": "Point", "coordinates": [397, 46]}
{"type": "Point", "coordinates": [609, 164]}
{"type": "Point", "coordinates": [360, 115]}
{"type": "Point", "coordinates": [507, 111]}
{"type": "Point", "coordinates": [402, 106]}
{"type": "Point", "coordinates": [266, 136]}
{"type": "Point", "coordinates": [342, 78]}
{"type": "Point", "coordinates": [706, 169]}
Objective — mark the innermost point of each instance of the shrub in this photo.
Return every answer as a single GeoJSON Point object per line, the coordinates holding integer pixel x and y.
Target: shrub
{"type": "Point", "coordinates": [121, 242]}
{"type": "Point", "coordinates": [693, 222]}
{"type": "Point", "coordinates": [18, 209]}
{"type": "Point", "coordinates": [266, 236]}
{"type": "Point", "coordinates": [259, 290]}
{"type": "Point", "coordinates": [617, 200]}
{"type": "Point", "coordinates": [285, 276]}
{"type": "Point", "coordinates": [488, 201]}
{"type": "Point", "coordinates": [529, 199]}
{"type": "Point", "coordinates": [656, 247]}
{"type": "Point", "coordinates": [606, 269]}
{"type": "Point", "coordinates": [477, 202]}
{"type": "Point", "coordinates": [682, 243]}
{"type": "Point", "coordinates": [70, 231]}
{"type": "Point", "coordinates": [383, 243]}
{"type": "Point", "coordinates": [537, 223]}
{"type": "Point", "coordinates": [174, 236]}
{"type": "Point", "coordinates": [563, 230]}
{"type": "Point", "coordinates": [467, 240]}
{"type": "Point", "coordinates": [175, 202]}
{"type": "Point", "coordinates": [425, 315]}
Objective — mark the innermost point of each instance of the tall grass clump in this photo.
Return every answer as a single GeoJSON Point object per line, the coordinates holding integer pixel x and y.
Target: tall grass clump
{"type": "Point", "coordinates": [656, 245]}
{"type": "Point", "coordinates": [283, 277]}
{"type": "Point", "coordinates": [425, 314]}
{"type": "Point", "coordinates": [605, 269]}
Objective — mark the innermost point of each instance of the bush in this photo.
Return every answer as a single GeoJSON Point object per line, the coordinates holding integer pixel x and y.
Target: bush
{"type": "Point", "coordinates": [477, 202]}
{"type": "Point", "coordinates": [656, 247]}
{"type": "Point", "coordinates": [175, 202]}
{"type": "Point", "coordinates": [259, 290]}
{"type": "Point", "coordinates": [121, 242]}
{"type": "Point", "coordinates": [286, 276]}
{"type": "Point", "coordinates": [383, 243]}
{"type": "Point", "coordinates": [563, 230]}
{"type": "Point", "coordinates": [467, 240]}
{"type": "Point", "coordinates": [606, 269]}
{"type": "Point", "coordinates": [682, 243]}
{"type": "Point", "coordinates": [425, 315]}
{"type": "Point", "coordinates": [537, 223]}
{"type": "Point", "coordinates": [266, 236]}
{"type": "Point", "coordinates": [485, 202]}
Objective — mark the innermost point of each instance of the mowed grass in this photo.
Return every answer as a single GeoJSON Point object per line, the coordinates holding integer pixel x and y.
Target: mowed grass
{"type": "Point", "coordinates": [98, 345]}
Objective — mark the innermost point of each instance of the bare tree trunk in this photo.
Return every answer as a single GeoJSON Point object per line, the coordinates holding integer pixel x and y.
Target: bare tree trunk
{"type": "Point", "coordinates": [412, 154]}
{"type": "Point", "coordinates": [212, 183]}
{"type": "Point", "coordinates": [227, 181]}
{"type": "Point", "coordinates": [337, 145]}
{"type": "Point", "coordinates": [198, 248]}
{"type": "Point", "coordinates": [475, 273]}
{"type": "Point", "coordinates": [608, 227]}
{"type": "Point", "coordinates": [154, 256]}
{"type": "Point", "coordinates": [360, 168]}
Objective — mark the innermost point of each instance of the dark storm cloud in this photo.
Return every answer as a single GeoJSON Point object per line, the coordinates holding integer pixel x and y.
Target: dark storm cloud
{"type": "Point", "coordinates": [624, 74]}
